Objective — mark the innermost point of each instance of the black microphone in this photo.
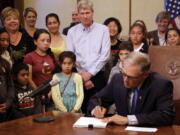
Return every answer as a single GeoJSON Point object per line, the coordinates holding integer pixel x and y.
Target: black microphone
{"type": "Point", "coordinates": [42, 88]}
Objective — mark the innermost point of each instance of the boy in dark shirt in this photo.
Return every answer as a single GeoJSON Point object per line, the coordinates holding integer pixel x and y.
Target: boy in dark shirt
{"type": "Point", "coordinates": [28, 105]}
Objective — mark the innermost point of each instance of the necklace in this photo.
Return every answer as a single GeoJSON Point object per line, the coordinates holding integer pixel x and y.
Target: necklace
{"type": "Point", "coordinates": [113, 42]}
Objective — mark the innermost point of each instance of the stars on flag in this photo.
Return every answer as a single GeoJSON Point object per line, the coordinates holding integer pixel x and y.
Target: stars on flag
{"type": "Point", "coordinates": [173, 8]}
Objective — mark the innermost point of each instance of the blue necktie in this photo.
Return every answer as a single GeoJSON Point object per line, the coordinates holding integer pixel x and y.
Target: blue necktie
{"type": "Point", "coordinates": [134, 101]}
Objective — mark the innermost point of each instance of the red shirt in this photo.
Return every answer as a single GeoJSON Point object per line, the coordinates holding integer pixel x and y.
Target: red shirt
{"type": "Point", "coordinates": [42, 67]}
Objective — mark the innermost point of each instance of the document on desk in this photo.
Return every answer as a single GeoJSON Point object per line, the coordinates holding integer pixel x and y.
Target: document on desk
{"type": "Point", "coordinates": [141, 129]}
{"type": "Point", "coordinates": [90, 121]}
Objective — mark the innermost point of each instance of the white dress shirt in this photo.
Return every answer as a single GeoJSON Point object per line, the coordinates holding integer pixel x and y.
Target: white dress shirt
{"type": "Point", "coordinates": [139, 48]}
{"type": "Point", "coordinates": [162, 41]}
{"type": "Point", "coordinates": [91, 46]}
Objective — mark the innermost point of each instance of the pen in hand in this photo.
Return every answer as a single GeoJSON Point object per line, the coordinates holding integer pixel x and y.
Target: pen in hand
{"type": "Point", "coordinates": [99, 102]}
{"type": "Point", "coordinates": [99, 110]}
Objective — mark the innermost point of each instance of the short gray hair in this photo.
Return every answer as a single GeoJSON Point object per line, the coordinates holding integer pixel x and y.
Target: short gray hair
{"type": "Point", "coordinates": [84, 4]}
{"type": "Point", "coordinates": [138, 59]}
{"type": "Point", "coordinates": [162, 15]}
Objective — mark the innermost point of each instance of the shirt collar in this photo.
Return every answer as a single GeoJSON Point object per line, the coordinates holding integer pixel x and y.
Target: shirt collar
{"type": "Point", "coordinates": [160, 36]}
{"type": "Point", "coordinates": [88, 29]}
{"type": "Point", "coordinates": [139, 87]}
{"type": "Point", "coordinates": [139, 48]}
{"type": "Point", "coordinates": [161, 40]}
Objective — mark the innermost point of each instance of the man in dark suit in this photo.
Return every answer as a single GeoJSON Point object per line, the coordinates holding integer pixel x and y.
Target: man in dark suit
{"type": "Point", "coordinates": [157, 37]}
{"type": "Point", "coordinates": [140, 97]}
{"type": "Point", "coordinates": [75, 20]}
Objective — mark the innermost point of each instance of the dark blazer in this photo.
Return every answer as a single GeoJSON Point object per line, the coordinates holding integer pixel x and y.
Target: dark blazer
{"type": "Point", "coordinates": [7, 92]}
{"type": "Point", "coordinates": [153, 35]}
{"type": "Point", "coordinates": [65, 30]}
{"type": "Point", "coordinates": [154, 106]}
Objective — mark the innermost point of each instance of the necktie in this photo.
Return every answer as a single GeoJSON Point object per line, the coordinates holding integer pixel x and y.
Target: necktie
{"type": "Point", "coordinates": [134, 101]}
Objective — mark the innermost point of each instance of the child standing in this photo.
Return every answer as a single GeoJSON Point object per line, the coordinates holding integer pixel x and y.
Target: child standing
{"type": "Point", "coordinates": [42, 62]}
{"type": "Point", "coordinates": [137, 35]}
{"type": "Point", "coordinates": [68, 94]}
{"type": "Point", "coordinates": [124, 49]}
{"type": "Point", "coordinates": [28, 105]}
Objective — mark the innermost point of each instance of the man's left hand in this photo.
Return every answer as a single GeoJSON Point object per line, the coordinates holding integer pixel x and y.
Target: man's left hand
{"type": "Point", "coordinates": [86, 76]}
{"type": "Point", "coordinates": [89, 84]}
{"type": "Point", "coordinates": [117, 119]}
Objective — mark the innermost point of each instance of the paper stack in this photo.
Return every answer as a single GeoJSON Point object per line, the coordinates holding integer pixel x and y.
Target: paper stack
{"type": "Point", "coordinates": [141, 129]}
{"type": "Point", "coordinates": [90, 121]}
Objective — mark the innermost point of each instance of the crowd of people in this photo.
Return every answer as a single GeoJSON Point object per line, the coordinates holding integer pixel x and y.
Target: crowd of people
{"type": "Point", "coordinates": [98, 73]}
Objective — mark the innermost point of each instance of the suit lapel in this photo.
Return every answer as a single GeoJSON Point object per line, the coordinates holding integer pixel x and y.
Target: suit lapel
{"type": "Point", "coordinates": [126, 101]}
{"type": "Point", "coordinates": [156, 38]}
{"type": "Point", "coordinates": [143, 93]}
{"type": "Point", "coordinates": [123, 106]}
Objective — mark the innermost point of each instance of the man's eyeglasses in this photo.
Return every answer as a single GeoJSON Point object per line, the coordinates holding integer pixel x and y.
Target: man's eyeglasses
{"type": "Point", "coordinates": [131, 77]}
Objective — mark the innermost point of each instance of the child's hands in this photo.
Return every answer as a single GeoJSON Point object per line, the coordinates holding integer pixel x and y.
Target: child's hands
{"type": "Point", "coordinates": [49, 95]}
{"type": "Point", "coordinates": [73, 111]}
{"type": "Point", "coordinates": [31, 83]}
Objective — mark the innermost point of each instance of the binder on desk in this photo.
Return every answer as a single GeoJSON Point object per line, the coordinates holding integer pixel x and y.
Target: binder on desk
{"type": "Point", "coordinates": [89, 121]}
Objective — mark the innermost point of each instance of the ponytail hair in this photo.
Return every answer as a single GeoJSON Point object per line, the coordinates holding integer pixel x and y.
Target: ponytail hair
{"type": "Point", "coordinates": [51, 54]}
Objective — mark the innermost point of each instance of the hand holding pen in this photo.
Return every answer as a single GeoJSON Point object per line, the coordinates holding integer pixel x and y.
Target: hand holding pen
{"type": "Point", "coordinates": [99, 111]}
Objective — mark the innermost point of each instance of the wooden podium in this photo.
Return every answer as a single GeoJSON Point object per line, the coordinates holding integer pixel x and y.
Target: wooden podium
{"type": "Point", "coordinates": [166, 61]}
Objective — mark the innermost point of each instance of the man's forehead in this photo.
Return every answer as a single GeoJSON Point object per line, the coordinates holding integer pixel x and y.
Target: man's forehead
{"type": "Point", "coordinates": [131, 69]}
{"type": "Point", "coordinates": [85, 9]}
{"type": "Point", "coordinates": [163, 20]}
{"type": "Point", "coordinates": [75, 12]}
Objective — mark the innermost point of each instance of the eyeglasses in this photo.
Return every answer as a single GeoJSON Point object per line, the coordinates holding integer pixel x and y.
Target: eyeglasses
{"type": "Point", "coordinates": [131, 77]}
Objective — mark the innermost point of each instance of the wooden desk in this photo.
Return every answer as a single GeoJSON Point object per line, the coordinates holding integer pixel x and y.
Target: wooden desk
{"type": "Point", "coordinates": [63, 126]}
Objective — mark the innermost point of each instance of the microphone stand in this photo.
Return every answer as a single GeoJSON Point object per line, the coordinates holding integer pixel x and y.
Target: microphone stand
{"type": "Point", "coordinates": [43, 118]}
{"type": "Point", "coordinates": [42, 91]}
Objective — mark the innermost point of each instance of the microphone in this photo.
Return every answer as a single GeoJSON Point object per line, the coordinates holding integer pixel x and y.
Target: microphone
{"type": "Point", "coordinates": [43, 87]}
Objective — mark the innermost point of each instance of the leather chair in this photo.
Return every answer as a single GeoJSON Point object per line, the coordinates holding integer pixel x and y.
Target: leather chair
{"type": "Point", "coordinates": [166, 61]}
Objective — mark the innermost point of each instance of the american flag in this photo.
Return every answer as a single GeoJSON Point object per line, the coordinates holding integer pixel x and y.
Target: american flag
{"type": "Point", "coordinates": [173, 8]}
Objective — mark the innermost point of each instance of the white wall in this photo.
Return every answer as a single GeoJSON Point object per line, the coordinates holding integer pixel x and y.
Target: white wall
{"type": "Point", "coordinates": [141, 9]}
{"type": "Point", "coordinates": [146, 10]}
{"type": "Point", "coordinates": [112, 8]}
{"type": "Point", "coordinates": [61, 7]}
